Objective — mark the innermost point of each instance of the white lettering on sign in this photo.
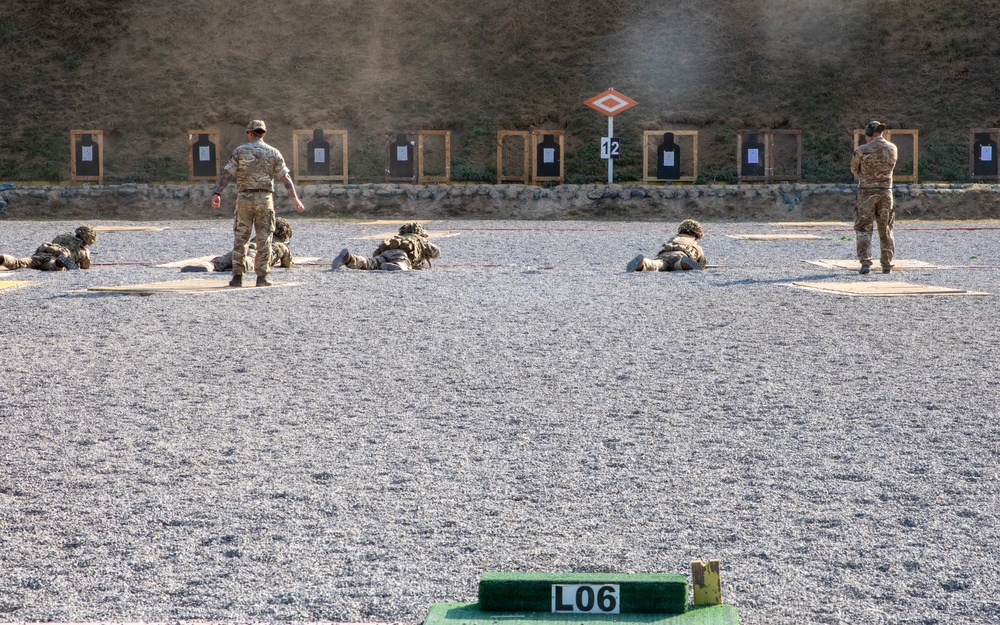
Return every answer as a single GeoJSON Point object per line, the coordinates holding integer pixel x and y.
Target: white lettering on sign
{"type": "Point", "coordinates": [401, 153]}
{"type": "Point", "coordinates": [611, 147]}
{"type": "Point", "coordinates": [668, 159]}
{"type": "Point", "coordinates": [319, 155]}
{"type": "Point", "coordinates": [986, 153]}
{"type": "Point", "coordinates": [753, 156]}
{"type": "Point", "coordinates": [87, 154]}
{"type": "Point", "coordinates": [586, 598]}
{"type": "Point", "coordinates": [204, 153]}
{"type": "Point", "coordinates": [548, 155]}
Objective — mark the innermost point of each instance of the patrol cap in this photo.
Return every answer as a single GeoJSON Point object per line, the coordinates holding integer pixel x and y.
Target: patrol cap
{"type": "Point", "coordinates": [257, 125]}
{"type": "Point", "coordinates": [873, 127]}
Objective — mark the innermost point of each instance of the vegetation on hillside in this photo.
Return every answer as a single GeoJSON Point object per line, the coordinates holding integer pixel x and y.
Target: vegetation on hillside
{"type": "Point", "coordinates": [146, 73]}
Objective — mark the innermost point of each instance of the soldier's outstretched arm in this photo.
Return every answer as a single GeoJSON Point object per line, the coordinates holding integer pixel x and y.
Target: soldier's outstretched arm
{"type": "Point", "coordinates": [290, 186]}
{"type": "Point", "coordinates": [227, 176]}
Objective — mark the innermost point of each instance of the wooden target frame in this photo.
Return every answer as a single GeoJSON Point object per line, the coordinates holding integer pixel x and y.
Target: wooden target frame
{"type": "Point", "coordinates": [560, 136]}
{"type": "Point", "coordinates": [995, 136]}
{"type": "Point", "coordinates": [888, 135]}
{"type": "Point", "coordinates": [423, 178]}
{"type": "Point", "coordinates": [768, 139]}
{"type": "Point", "coordinates": [74, 136]}
{"type": "Point", "coordinates": [648, 134]}
{"type": "Point", "coordinates": [217, 137]}
{"type": "Point", "coordinates": [526, 170]}
{"type": "Point", "coordinates": [341, 177]}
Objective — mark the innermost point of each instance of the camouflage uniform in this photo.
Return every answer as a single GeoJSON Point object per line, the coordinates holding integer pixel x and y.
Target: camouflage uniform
{"type": "Point", "coordinates": [280, 253]}
{"type": "Point", "coordinates": [677, 253]}
{"type": "Point", "coordinates": [66, 251]}
{"type": "Point", "coordinates": [255, 165]}
{"type": "Point", "coordinates": [873, 163]}
{"type": "Point", "coordinates": [410, 249]}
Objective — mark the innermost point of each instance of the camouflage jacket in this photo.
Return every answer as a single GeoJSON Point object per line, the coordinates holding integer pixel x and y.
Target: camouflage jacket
{"type": "Point", "coordinates": [687, 245]}
{"type": "Point", "coordinates": [873, 163]}
{"type": "Point", "coordinates": [418, 249]}
{"type": "Point", "coordinates": [65, 245]}
{"type": "Point", "coordinates": [256, 165]}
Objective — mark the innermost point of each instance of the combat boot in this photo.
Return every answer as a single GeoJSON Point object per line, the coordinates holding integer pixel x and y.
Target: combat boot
{"type": "Point", "coordinates": [66, 263]}
{"type": "Point", "coordinates": [866, 266]}
{"type": "Point", "coordinates": [887, 268]}
{"type": "Point", "coordinates": [636, 264]}
{"type": "Point", "coordinates": [689, 263]}
{"type": "Point", "coordinates": [236, 281]}
{"type": "Point", "coordinates": [263, 281]}
{"type": "Point", "coordinates": [342, 258]}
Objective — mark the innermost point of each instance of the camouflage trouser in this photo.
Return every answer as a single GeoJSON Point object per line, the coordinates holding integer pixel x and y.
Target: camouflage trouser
{"type": "Point", "coordinates": [10, 262]}
{"type": "Point", "coordinates": [225, 262]}
{"type": "Point", "coordinates": [254, 211]}
{"type": "Point", "coordinates": [671, 261]}
{"type": "Point", "coordinates": [875, 206]}
{"type": "Point", "coordinates": [388, 257]}
{"type": "Point", "coordinates": [40, 262]}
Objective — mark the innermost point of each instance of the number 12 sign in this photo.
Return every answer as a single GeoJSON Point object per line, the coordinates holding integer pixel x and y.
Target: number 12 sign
{"type": "Point", "coordinates": [586, 598]}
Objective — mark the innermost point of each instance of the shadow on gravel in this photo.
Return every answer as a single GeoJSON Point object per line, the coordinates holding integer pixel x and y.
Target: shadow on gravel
{"type": "Point", "coordinates": [750, 281]}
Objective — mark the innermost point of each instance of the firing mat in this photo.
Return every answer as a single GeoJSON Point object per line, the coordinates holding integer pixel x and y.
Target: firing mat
{"type": "Point", "coordinates": [129, 228]}
{"type": "Point", "coordinates": [855, 265]}
{"type": "Point", "coordinates": [433, 234]}
{"type": "Point", "coordinates": [10, 284]}
{"type": "Point", "coordinates": [210, 285]}
{"type": "Point", "coordinates": [202, 260]}
{"type": "Point", "coordinates": [882, 289]}
{"type": "Point", "coordinates": [774, 237]}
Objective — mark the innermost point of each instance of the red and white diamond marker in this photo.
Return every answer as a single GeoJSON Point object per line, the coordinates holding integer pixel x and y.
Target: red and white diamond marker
{"type": "Point", "coordinates": [610, 102]}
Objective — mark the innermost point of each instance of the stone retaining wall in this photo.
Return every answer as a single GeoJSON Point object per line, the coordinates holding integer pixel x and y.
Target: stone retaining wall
{"type": "Point", "coordinates": [787, 202]}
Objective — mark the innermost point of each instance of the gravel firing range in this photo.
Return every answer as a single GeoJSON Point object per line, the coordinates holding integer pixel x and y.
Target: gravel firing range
{"type": "Point", "coordinates": [360, 445]}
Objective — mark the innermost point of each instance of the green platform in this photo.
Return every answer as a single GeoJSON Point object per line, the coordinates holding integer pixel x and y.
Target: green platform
{"type": "Point", "coordinates": [654, 593]}
{"type": "Point", "coordinates": [471, 614]}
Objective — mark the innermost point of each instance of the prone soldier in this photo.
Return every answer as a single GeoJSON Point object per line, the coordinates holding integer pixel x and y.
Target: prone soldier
{"type": "Point", "coordinates": [66, 251]}
{"type": "Point", "coordinates": [681, 252]}
{"type": "Point", "coordinates": [410, 249]}
{"type": "Point", "coordinates": [280, 254]}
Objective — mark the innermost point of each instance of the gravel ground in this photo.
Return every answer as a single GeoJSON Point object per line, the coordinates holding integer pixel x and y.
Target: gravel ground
{"type": "Point", "coordinates": [362, 444]}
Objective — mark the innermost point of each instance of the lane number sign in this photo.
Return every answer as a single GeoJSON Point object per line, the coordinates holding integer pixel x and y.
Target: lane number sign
{"type": "Point", "coordinates": [586, 598]}
{"type": "Point", "coordinates": [611, 147]}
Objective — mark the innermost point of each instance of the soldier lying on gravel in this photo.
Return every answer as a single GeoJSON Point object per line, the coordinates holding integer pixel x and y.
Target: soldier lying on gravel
{"type": "Point", "coordinates": [682, 252]}
{"type": "Point", "coordinates": [410, 249]}
{"type": "Point", "coordinates": [66, 251]}
{"type": "Point", "coordinates": [280, 254]}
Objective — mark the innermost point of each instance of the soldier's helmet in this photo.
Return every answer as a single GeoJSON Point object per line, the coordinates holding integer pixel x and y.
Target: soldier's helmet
{"type": "Point", "coordinates": [282, 230]}
{"type": "Point", "coordinates": [413, 228]}
{"type": "Point", "coordinates": [692, 228]}
{"type": "Point", "coordinates": [87, 234]}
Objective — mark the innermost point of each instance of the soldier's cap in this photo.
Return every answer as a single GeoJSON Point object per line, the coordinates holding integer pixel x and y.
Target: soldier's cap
{"type": "Point", "coordinates": [873, 127]}
{"type": "Point", "coordinates": [257, 126]}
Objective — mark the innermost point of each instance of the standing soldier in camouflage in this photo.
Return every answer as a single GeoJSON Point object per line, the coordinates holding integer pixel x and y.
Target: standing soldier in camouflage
{"type": "Point", "coordinates": [410, 249]}
{"type": "Point", "coordinates": [682, 252]}
{"type": "Point", "coordinates": [255, 165]}
{"type": "Point", "coordinates": [66, 251]}
{"type": "Point", "coordinates": [873, 163]}
{"type": "Point", "coordinates": [280, 254]}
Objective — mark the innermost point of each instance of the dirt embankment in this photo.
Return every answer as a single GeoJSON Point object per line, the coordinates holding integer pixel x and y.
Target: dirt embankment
{"type": "Point", "coordinates": [712, 202]}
